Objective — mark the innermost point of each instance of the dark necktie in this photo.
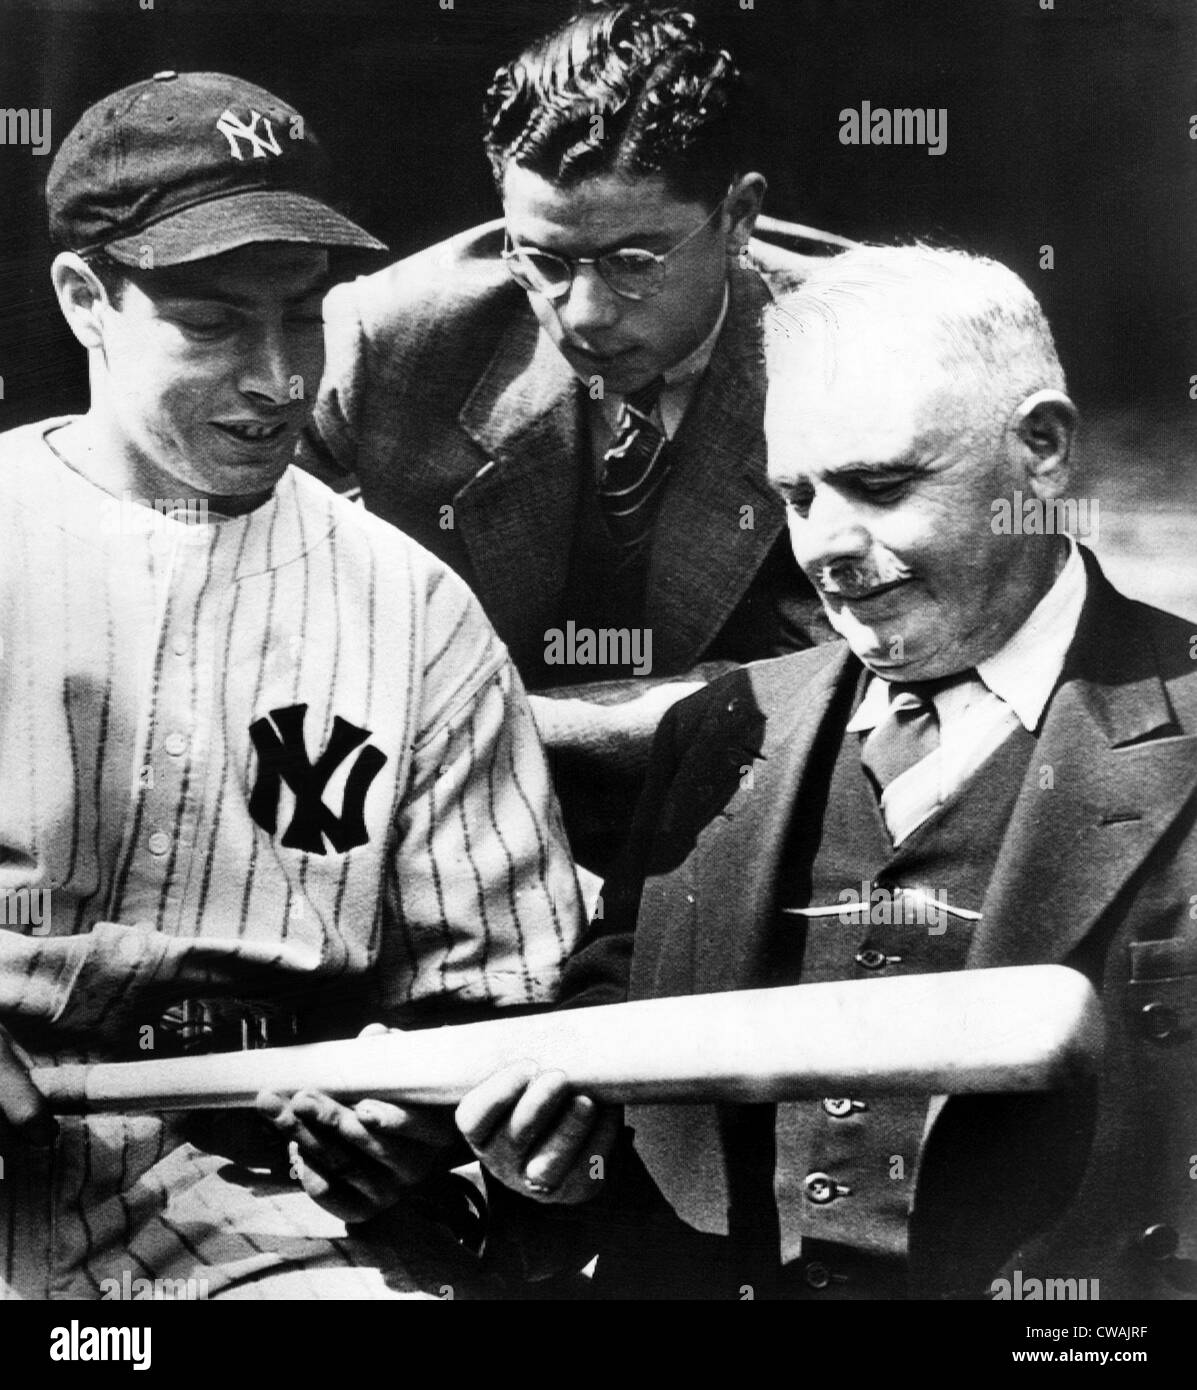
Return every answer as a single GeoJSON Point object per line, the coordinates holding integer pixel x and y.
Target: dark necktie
{"type": "Point", "coordinates": [910, 729]}
{"type": "Point", "coordinates": [633, 469]}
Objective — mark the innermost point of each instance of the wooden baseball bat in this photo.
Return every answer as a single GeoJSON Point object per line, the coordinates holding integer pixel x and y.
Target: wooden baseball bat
{"type": "Point", "coordinates": [1023, 1028]}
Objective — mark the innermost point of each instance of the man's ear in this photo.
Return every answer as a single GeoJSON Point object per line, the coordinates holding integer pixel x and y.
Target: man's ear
{"type": "Point", "coordinates": [1044, 425]}
{"type": "Point", "coordinates": [81, 297]}
{"type": "Point", "coordinates": [741, 209]}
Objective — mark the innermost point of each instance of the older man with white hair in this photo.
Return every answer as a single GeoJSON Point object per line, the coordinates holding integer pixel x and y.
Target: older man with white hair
{"type": "Point", "coordinates": [999, 728]}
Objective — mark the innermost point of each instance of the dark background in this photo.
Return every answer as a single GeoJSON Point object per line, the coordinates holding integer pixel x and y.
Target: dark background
{"type": "Point", "coordinates": [1067, 127]}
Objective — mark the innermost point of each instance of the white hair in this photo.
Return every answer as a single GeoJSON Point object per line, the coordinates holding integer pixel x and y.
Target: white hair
{"type": "Point", "coordinates": [976, 315]}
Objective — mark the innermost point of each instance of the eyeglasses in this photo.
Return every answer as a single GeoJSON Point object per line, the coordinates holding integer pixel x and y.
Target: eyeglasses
{"type": "Point", "coordinates": [632, 272]}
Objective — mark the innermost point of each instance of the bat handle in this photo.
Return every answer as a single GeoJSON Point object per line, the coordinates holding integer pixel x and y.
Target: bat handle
{"type": "Point", "coordinates": [64, 1088]}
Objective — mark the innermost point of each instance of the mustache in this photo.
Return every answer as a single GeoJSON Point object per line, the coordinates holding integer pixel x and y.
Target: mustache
{"type": "Point", "coordinates": [854, 578]}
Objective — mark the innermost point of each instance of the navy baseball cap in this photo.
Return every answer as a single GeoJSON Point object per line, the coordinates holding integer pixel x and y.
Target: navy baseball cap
{"type": "Point", "coordinates": [190, 165]}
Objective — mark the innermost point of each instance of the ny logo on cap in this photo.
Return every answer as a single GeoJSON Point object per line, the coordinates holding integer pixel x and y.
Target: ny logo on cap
{"type": "Point", "coordinates": [234, 129]}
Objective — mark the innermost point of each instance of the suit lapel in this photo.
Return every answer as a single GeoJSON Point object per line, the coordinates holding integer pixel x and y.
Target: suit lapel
{"type": "Point", "coordinates": [717, 470]}
{"type": "Point", "coordinates": [744, 845]}
{"type": "Point", "coordinates": [1109, 775]}
{"type": "Point", "coordinates": [705, 932]}
{"type": "Point", "coordinates": [517, 513]}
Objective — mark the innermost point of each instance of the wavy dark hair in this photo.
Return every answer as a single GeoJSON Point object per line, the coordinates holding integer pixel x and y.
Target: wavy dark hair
{"type": "Point", "coordinates": [669, 104]}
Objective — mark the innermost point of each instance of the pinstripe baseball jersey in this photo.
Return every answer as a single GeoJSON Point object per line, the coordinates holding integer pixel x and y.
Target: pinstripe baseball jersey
{"type": "Point", "coordinates": [278, 755]}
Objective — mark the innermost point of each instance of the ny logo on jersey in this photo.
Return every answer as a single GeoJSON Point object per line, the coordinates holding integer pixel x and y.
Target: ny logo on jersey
{"type": "Point", "coordinates": [233, 129]}
{"type": "Point", "coordinates": [283, 757]}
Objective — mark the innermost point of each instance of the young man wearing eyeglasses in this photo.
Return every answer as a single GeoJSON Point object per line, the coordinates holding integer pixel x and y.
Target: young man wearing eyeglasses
{"type": "Point", "coordinates": [566, 405]}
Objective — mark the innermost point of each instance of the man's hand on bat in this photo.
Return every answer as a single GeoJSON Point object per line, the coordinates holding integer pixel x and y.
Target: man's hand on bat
{"type": "Point", "coordinates": [359, 1161]}
{"type": "Point", "coordinates": [537, 1135]}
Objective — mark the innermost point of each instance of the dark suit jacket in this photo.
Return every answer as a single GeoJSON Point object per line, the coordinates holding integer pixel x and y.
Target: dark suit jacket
{"type": "Point", "coordinates": [1098, 870]}
{"type": "Point", "coordinates": [465, 427]}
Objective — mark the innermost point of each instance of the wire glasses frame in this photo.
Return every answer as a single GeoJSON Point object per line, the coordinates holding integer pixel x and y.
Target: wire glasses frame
{"type": "Point", "coordinates": [631, 272]}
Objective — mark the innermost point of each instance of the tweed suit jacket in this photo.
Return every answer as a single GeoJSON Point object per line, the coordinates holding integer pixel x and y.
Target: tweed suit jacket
{"type": "Point", "coordinates": [466, 428]}
{"type": "Point", "coordinates": [1097, 870]}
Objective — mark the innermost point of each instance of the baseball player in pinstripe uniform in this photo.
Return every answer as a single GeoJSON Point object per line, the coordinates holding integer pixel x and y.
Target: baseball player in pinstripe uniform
{"type": "Point", "coordinates": [267, 771]}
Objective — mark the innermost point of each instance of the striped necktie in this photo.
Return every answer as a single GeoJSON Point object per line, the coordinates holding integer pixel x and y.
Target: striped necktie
{"type": "Point", "coordinates": [633, 469]}
{"type": "Point", "coordinates": [910, 730]}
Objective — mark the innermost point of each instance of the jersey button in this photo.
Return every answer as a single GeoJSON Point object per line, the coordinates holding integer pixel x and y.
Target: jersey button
{"type": "Point", "coordinates": [159, 842]}
{"type": "Point", "coordinates": [180, 645]}
{"type": "Point", "coordinates": [176, 744]}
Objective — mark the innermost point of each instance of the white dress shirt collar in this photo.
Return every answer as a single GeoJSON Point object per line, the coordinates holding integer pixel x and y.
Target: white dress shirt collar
{"type": "Point", "coordinates": [1025, 672]}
